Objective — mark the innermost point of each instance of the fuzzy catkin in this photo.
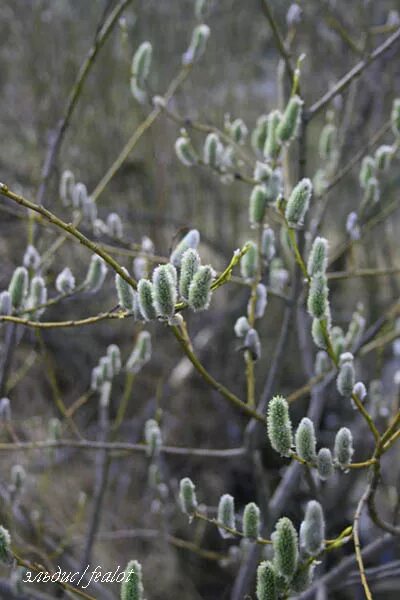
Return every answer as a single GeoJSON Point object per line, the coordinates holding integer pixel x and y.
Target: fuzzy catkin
{"type": "Point", "coordinates": [114, 354]}
{"type": "Point", "coordinates": [252, 344]}
{"type": "Point", "coordinates": [249, 262]}
{"type": "Point", "coordinates": [65, 282]}
{"type": "Point", "coordinates": [153, 438]}
{"type": "Point", "coordinates": [298, 203]}
{"type": "Point", "coordinates": [241, 327]}
{"type": "Point", "coordinates": [322, 363]}
{"type": "Point", "coordinates": [190, 240]}
{"type": "Point", "coordinates": [305, 440]}
{"type": "Point", "coordinates": [268, 244]}
{"type": "Point", "coordinates": [302, 578]}
{"type": "Point", "coordinates": [327, 141]}
{"type": "Point", "coordinates": [260, 302]}
{"type": "Point", "coordinates": [259, 135]}
{"type": "Point", "coordinates": [187, 496]}
{"type": "Point", "coordinates": [141, 63]}
{"type": "Point", "coordinates": [212, 151]}
{"type": "Point", "coordinates": [318, 258]}
{"type": "Point", "coordinates": [285, 544]}
{"type": "Point", "coordinates": [266, 582]}
{"type": "Point", "coordinates": [37, 295]}
{"type": "Point", "coordinates": [367, 170]}
{"type": "Point", "coordinates": [251, 521]}
{"type": "Point", "coordinates": [164, 291]}
{"type": "Point", "coordinates": [257, 205]}
{"type": "Point", "coordinates": [67, 184]}
{"type": "Point", "coordinates": [200, 289]}
{"type": "Point", "coordinates": [114, 226]}
{"type": "Point", "coordinates": [395, 117]}
{"type": "Point", "coordinates": [5, 543]}
{"type": "Point", "coordinates": [125, 292]}
{"type": "Point", "coordinates": [198, 44]}
{"type": "Point", "coordinates": [383, 158]}
{"type": "Point", "coordinates": [145, 297]}
{"type": "Point", "coordinates": [317, 302]}
{"type": "Point", "coordinates": [141, 353]}
{"type": "Point", "coordinates": [346, 379]}
{"type": "Point", "coordinates": [290, 122]}
{"type": "Point", "coordinates": [312, 531]}
{"type": "Point", "coordinates": [96, 274]}
{"type": "Point", "coordinates": [324, 464]}
{"type": "Point", "coordinates": [343, 450]}
{"type": "Point", "coordinates": [279, 426]}
{"type": "Point", "coordinates": [132, 585]}
{"type": "Point", "coordinates": [226, 514]}
{"type": "Point", "coordinates": [272, 144]}
{"type": "Point", "coordinates": [18, 287]}
{"type": "Point", "coordinates": [31, 258]}
{"type": "Point", "coordinates": [190, 264]}
{"type": "Point", "coordinates": [185, 152]}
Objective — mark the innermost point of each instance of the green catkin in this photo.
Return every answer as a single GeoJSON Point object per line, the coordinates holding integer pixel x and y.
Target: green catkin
{"type": "Point", "coordinates": [5, 546]}
{"type": "Point", "coordinates": [137, 92]}
{"type": "Point", "coordinates": [257, 205]}
{"type": "Point", "coordinates": [345, 379]}
{"type": "Point", "coordinates": [268, 244]}
{"type": "Point", "coordinates": [317, 302]}
{"type": "Point", "coordinates": [153, 438]}
{"type": "Point", "coordinates": [67, 184]}
{"type": "Point", "coordinates": [187, 496]}
{"type": "Point", "coordinates": [114, 226]}
{"type": "Point", "coordinates": [145, 297]}
{"type": "Point", "coordinates": [318, 334]}
{"type": "Point", "coordinates": [259, 135]}
{"type": "Point", "coordinates": [302, 578]}
{"type": "Point", "coordinates": [226, 514]}
{"type": "Point", "coordinates": [238, 131]}
{"type": "Point", "coordinates": [285, 544]}
{"type": "Point", "coordinates": [252, 344]}
{"type": "Point", "coordinates": [114, 354]}
{"type": "Point", "coordinates": [266, 582]}
{"type": "Point", "coordinates": [338, 340]}
{"type": "Point", "coordinates": [5, 303]}
{"type": "Point", "coordinates": [261, 301]}
{"type": "Point", "coordinates": [298, 203]}
{"type": "Point", "coordinates": [324, 464]}
{"type": "Point", "coordinates": [395, 117]}
{"type": "Point", "coordinates": [274, 187]}
{"type": "Point", "coordinates": [96, 274]}
{"type": "Point", "coordinates": [164, 291]}
{"type": "Point", "coordinates": [18, 287]}
{"type": "Point", "coordinates": [241, 327]}
{"type": "Point", "coordinates": [355, 330]}
{"type": "Point", "coordinates": [173, 273]}
{"type": "Point", "coordinates": [37, 295]}
{"type": "Point", "coordinates": [65, 282]}
{"type": "Point", "coordinates": [327, 140]}
{"type": "Point", "coordinates": [132, 585]}
{"type": "Point", "coordinates": [262, 172]}
{"type": "Point", "coordinates": [141, 63]}
{"type": "Point", "coordinates": [31, 258]}
{"type": "Point", "coordinates": [200, 289]}
{"type": "Point", "coordinates": [279, 426]}
{"type": "Point", "coordinates": [312, 530]}
{"type": "Point", "coordinates": [212, 151]}
{"type": "Point", "coordinates": [79, 195]}
{"type": "Point", "coordinates": [272, 145]}
{"type": "Point", "coordinates": [198, 44]}
{"type": "Point", "coordinates": [125, 292]}
{"type": "Point", "coordinates": [249, 262]}
{"type": "Point", "coordinates": [343, 449]}
{"type": "Point", "coordinates": [322, 363]}
{"type": "Point", "coordinates": [106, 368]}
{"type": "Point", "coordinates": [371, 195]}
{"type": "Point", "coordinates": [360, 390]}
{"type": "Point", "coordinates": [318, 258]}
{"type": "Point", "coordinates": [141, 353]}
{"type": "Point", "coordinates": [305, 440]}
{"type": "Point", "coordinates": [289, 124]}
{"type": "Point", "coordinates": [190, 240]}
{"type": "Point", "coordinates": [383, 158]}
{"type": "Point", "coordinates": [251, 521]}
{"type": "Point", "coordinates": [190, 264]}
{"type": "Point", "coordinates": [185, 152]}
{"type": "Point", "coordinates": [367, 170]}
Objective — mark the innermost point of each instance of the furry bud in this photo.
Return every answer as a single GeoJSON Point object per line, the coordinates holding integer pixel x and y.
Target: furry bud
{"type": "Point", "coordinates": [383, 158]}
{"type": "Point", "coordinates": [96, 274]}
{"type": "Point", "coordinates": [67, 184]}
{"type": "Point", "coordinates": [187, 496]}
{"type": "Point", "coordinates": [367, 170]}
{"type": "Point", "coordinates": [251, 521]}
{"type": "Point", "coordinates": [141, 353]}
{"type": "Point", "coordinates": [198, 44]}
{"type": "Point", "coordinates": [343, 450]}
{"type": "Point", "coordinates": [345, 379]}
{"type": "Point", "coordinates": [190, 264]}
{"type": "Point", "coordinates": [89, 211]}
{"type": "Point", "coordinates": [252, 344]}
{"type": "Point", "coordinates": [79, 195]}
{"type": "Point", "coordinates": [360, 390]}
{"type": "Point", "coordinates": [262, 172]}
{"type": "Point", "coordinates": [272, 144]}
{"type": "Point", "coordinates": [327, 141]}
{"type": "Point", "coordinates": [298, 203]}
{"type": "Point", "coordinates": [18, 287]}
{"type": "Point", "coordinates": [238, 131]}
{"type": "Point", "coordinates": [132, 585]}
{"type": "Point", "coordinates": [305, 440]}
{"type": "Point", "coordinates": [317, 302]}
{"type": "Point", "coordinates": [96, 378]}
{"type": "Point", "coordinates": [37, 295]}
{"type": "Point", "coordinates": [337, 339]}
{"type": "Point", "coordinates": [190, 240]}
{"type": "Point", "coordinates": [258, 199]}
{"type": "Point", "coordinates": [5, 546]}
{"type": "Point", "coordinates": [355, 330]}
{"type": "Point", "coordinates": [140, 267]}
{"type": "Point", "coordinates": [312, 530]}
{"type": "Point", "coordinates": [268, 244]}
{"type": "Point", "coordinates": [212, 151]}
{"type": "Point", "coordinates": [259, 135]}
{"type": "Point", "coordinates": [164, 291]}
{"type": "Point", "coordinates": [226, 514]}
{"type": "Point", "coordinates": [266, 582]}
{"type": "Point", "coordinates": [125, 292]}
{"type": "Point", "coordinates": [106, 368]}
{"type": "Point", "coordinates": [352, 226]}
{"type": "Point", "coordinates": [185, 152]}
{"type": "Point", "coordinates": [145, 297]}
{"type": "Point", "coordinates": [261, 301]}
{"type": "Point", "coordinates": [279, 426]}
{"type": "Point", "coordinates": [31, 258]}
{"type": "Point", "coordinates": [285, 544]}
{"type": "Point", "coordinates": [318, 258]}
{"type": "Point", "coordinates": [200, 289]}
{"type": "Point", "coordinates": [141, 63]}
{"type": "Point", "coordinates": [249, 262]}
{"type": "Point", "coordinates": [302, 578]}
{"type": "Point", "coordinates": [289, 125]}
{"type": "Point", "coordinates": [65, 282]}
{"type": "Point", "coordinates": [114, 354]}
{"type": "Point", "coordinates": [114, 226]}
{"type": "Point", "coordinates": [324, 464]}
{"type": "Point", "coordinates": [322, 363]}
{"type": "Point", "coordinates": [241, 327]}
{"type": "Point", "coordinates": [395, 117]}
{"type": "Point", "coordinates": [152, 437]}
{"type": "Point", "coordinates": [5, 303]}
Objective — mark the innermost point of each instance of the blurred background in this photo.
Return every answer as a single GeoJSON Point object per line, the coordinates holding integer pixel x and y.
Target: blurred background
{"type": "Point", "coordinates": [42, 47]}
